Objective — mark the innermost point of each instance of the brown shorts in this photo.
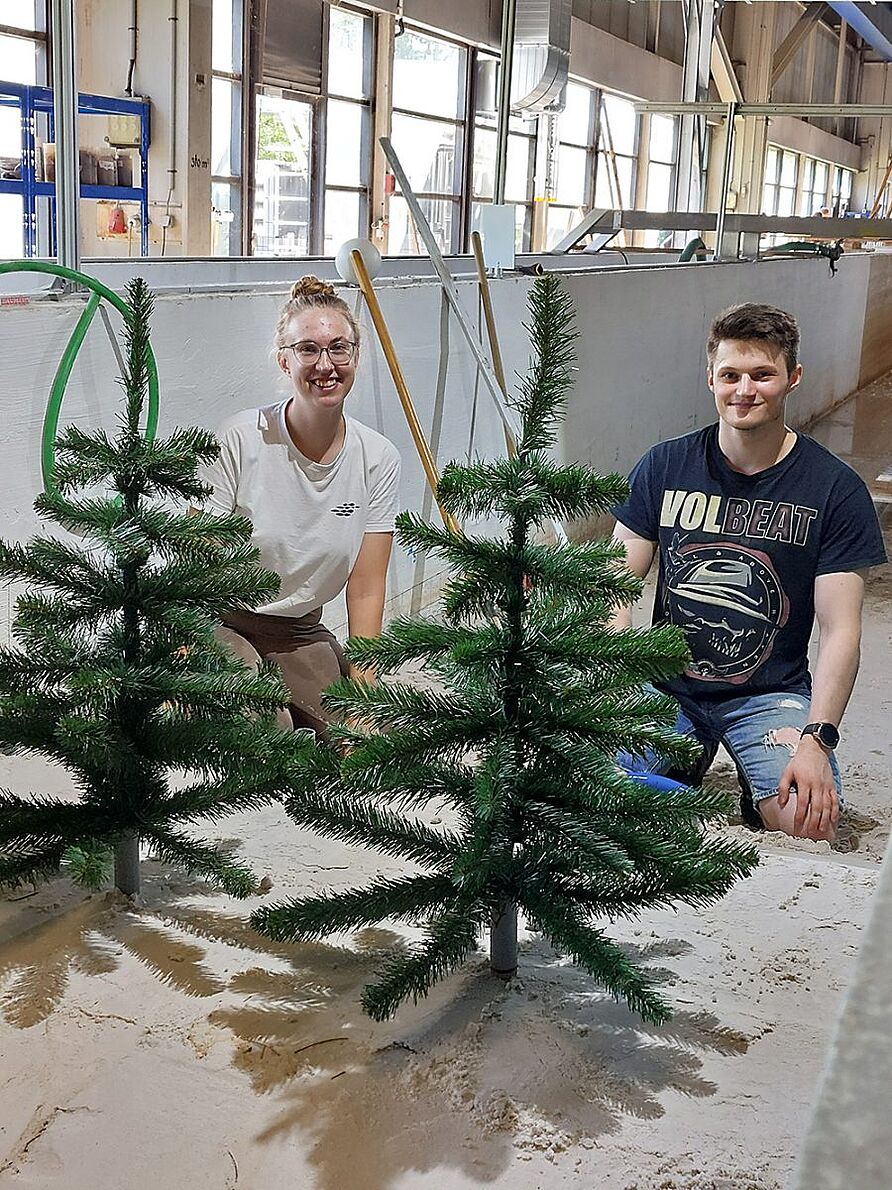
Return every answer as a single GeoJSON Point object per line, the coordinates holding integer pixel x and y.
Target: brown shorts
{"type": "Point", "coordinates": [303, 648]}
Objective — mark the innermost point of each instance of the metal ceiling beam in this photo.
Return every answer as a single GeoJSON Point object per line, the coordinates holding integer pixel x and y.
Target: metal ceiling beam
{"type": "Point", "coordinates": [788, 48]}
{"type": "Point", "coordinates": [726, 80]}
{"type": "Point", "coordinates": [873, 22]}
{"type": "Point", "coordinates": [769, 109]}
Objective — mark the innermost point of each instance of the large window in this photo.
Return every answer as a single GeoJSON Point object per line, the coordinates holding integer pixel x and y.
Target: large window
{"type": "Point", "coordinates": [347, 128]}
{"type": "Point", "coordinates": [520, 166]}
{"type": "Point", "coordinates": [841, 195]}
{"type": "Point", "coordinates": [575, 162]}
{"type": "Point", "coordinates": [813, 196]}
{"type": "Point", "coordinates": [779, 184]}
{"type": "Point", "coordinates": [428, 130]}
{"type": "Point", "coordinates": [226, 128]}
{"type": "Point", "coordinates": [282, 178]}
{"type": "Point", "coordinates": [22, 60]}
{"type": "Point", "coordinates": [615, 178]}
{"type": "Point", "coordinates": [661, 151]}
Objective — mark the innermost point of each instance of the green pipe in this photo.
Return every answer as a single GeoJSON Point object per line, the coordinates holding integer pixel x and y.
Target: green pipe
{"type": "Point", "coordinates": [54, 407]}
{"type": "Point", "coordinates": [63, 372]}
{"type": "Point", "coordinates": [692, 248]}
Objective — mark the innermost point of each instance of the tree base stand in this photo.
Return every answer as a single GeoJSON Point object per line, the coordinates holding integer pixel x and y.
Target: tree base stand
{"type": "Point", "coordinates": [127, 866]}
{"type": "Point", "coordinates": [503, 942]}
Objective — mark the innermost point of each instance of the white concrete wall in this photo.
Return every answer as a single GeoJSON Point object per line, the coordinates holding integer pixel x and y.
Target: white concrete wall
{"type": "Point", "coordinates": [640, 378]}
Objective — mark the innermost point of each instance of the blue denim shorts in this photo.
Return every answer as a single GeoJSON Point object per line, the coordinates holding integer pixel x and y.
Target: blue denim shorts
{"type": "Point", "coordinates": [760, 732]}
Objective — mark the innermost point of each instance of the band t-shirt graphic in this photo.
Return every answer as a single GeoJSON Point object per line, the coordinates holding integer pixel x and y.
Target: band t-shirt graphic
{"type": "Point", "coordinates": [738, 555]}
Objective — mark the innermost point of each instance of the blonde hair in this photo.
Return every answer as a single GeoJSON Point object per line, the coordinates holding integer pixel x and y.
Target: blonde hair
{"type": "Point", "coordinates": [311, 293]}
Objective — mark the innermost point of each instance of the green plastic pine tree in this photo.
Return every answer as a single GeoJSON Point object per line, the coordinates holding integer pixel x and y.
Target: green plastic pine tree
{"type": "Point", "coordinates": [534, 699]}
{"type": "Point", "coordinates": [115, 672]}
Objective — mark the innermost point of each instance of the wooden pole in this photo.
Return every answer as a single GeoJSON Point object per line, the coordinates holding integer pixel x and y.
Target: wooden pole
{"type": "Point", "coordinates": [421, 445]}
{"type": "Point", "coordinates": [490, 319]}
{"type": "Point", "coordinates": [882, 186]}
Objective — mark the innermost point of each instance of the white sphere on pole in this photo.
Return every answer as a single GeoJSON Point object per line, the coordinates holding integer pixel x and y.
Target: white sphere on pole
{"type": "Point", "coordinates": [369, 253]}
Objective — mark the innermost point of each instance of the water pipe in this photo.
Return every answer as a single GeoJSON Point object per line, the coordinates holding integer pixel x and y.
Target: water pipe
{"type": "Point", "coordinates": [63, 371]}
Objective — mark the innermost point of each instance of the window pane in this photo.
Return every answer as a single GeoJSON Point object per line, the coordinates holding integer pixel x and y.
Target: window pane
{"type": "Point", "coordinates": [427, 152]}
{"type": "Point", "coordinates": [659, 187]}
{"type": "Point", "coordinates": [820, 183]}
{"type": "Point", "coordinates": [662, 141]}
{"type": "Point", "coordinates": [788, 169]}
{"type": "Point", "coordinates": [769, 199]}
{"type": "Point", "coordinates": [346, 54]}
{"type": "Point", "coordinates": [808, 172]}
{"type": "Point", "coordinates": [345, 148]}
{"type": "Point", "coordinates": [518, 175]}
{"type": "Point", "coordinates": [226, 239]}
{"type": "Point", "coordinates": [785, 196]}
{"type": "Point", "coordinates": [342, 213]}
{"type": "Point", "coordinates": [10, 132]}
{"type": "Point", "coordinates": [606, 182]}
{"type": "Point", "coordinates": [12, 241]}
{"type": "Point", "coordinates": [18, 59]}
{"type": "Point", "coordinates": [484, 165]}
{"type": "Point", "coordinates": [282, 202]}
{"type": "Point", "coordinates": [624, 169]}
{"type": "Point", "coordinates": [226, 36]}
{"type": "Point", "coordinates": [402, 237]}
{"type": "Point", "coordinates": [846, 187]}
{"type": "Point", "coordinates": [428, 75]}
{"type": "Point", "coordinates": [519, 171]}
{"type": "Point", "coordinates": [560, 221]}
{"type": "Point", "coordinates": [771, 164]}
{"type": "Point", "coordinates": [226, 101]}
{"type": "Point", "coordinates": [574, 121]}
{"type": "Point", "coordinates": [620, 116]}
{"type": "Point", "coordinates": [21, 14]}
{"type": "Point", "coordinates": [571, 175]}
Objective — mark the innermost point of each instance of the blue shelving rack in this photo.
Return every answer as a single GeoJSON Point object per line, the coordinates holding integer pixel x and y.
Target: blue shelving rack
{"type": "Point", "coordinates": [34, 101]}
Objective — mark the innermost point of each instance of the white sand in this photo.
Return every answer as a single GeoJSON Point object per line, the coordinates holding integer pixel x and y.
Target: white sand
{"type": "Point", "coordinates": [169, 1045]}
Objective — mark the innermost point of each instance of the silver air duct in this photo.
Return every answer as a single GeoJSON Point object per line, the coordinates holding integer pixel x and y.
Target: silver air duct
{"type": "Point", "coordinates": [541, 59]}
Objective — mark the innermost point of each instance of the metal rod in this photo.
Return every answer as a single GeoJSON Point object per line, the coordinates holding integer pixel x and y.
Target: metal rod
{"type": "Point", "coordinates": [727, 161]}
{"type": "Point", "coordinates": [65, 121]}
{"type": "Point", "coordinates": [509, 419]}
{"type": "Point", "coordinates": [489, 317]}
{"type": "Point", "coordinates": [712, 108]}
{"type": "Point", "coordinates": [421, 445]}
{"type": "Point", "coordinates": [127, 866]}
{"type": "Point", "coordinates": [449, 287]}
{"type": "Point", "coordinates": [503, 941]}
{"type": "Point", "coordinates": [509, 13]}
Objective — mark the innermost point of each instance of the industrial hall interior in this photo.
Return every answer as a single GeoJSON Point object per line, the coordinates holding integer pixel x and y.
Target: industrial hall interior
{"type": "Point", "coordinates": [445, 612]}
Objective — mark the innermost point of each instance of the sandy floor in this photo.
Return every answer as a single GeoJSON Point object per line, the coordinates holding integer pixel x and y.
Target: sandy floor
{"type": "Point", "coordinates": [168, 1045]}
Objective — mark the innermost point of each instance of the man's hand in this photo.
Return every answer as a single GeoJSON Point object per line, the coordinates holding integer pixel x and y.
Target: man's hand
{"type": "Point", "coordinates": [817, 804]}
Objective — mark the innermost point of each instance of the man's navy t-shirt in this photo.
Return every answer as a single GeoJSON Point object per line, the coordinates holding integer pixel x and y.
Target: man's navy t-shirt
{"type": "Point", "coordinates": [739, 555]}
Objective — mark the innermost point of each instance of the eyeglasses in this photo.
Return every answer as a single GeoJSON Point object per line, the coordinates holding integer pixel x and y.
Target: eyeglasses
{"type": "Point", "coordinates": [309, 353]}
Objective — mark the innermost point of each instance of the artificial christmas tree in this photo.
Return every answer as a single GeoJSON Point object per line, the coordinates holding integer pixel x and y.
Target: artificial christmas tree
{"type": "Point", "coordinates": [536, 698]}
{"type": "Point", "coordinates": [115, 672]}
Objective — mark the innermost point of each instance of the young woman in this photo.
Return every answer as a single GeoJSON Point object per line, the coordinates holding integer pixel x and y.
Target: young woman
{"type": "Point", "coordinates": [321, 491]}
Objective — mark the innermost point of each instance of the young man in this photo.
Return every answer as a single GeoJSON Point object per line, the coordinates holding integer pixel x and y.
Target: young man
{"type": "Point", "coordinates": [760, 530]}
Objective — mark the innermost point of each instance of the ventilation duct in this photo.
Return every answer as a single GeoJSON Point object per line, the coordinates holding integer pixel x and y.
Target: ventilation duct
{"type": "Point", "coordinates": [541, 59]}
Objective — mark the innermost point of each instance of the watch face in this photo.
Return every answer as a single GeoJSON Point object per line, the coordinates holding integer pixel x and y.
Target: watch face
{"type": "Point", "coordinates": [828, 735]}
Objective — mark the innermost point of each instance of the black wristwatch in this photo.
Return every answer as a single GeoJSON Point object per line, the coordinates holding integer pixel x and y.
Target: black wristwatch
{"type": "Point", "coordinates": [827, 734]}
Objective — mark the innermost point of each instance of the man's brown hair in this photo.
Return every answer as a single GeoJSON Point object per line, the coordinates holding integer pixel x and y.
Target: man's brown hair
{"type": "Point", "coordinates": [751, 322]}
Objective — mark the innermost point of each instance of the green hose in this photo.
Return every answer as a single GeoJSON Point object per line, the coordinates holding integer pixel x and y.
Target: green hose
{"type": "Point", "coordinates": [63, 372]}
{"type": "Point", "coordinates": [692, 248]}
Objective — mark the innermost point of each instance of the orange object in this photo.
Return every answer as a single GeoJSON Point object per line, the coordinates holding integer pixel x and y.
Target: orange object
{"type": "Point", "coordinates": [117, 222]}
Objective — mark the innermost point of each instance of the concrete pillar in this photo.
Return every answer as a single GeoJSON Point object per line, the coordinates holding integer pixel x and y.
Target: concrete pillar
{"type": "Point", "coordinates": [194, 142]}
{"type": "Point", "coordinates": [754, 43]}
{"type": "Point", "coordinates": [699, 33]}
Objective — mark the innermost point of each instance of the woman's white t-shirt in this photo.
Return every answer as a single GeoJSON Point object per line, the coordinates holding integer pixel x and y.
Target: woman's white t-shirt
{"type": "Point", "coordinates": [308, 518]}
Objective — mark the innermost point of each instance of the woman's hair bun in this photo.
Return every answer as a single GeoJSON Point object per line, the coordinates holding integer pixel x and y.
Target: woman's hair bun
{"type": "Point", "coordinates": [310, 286]}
